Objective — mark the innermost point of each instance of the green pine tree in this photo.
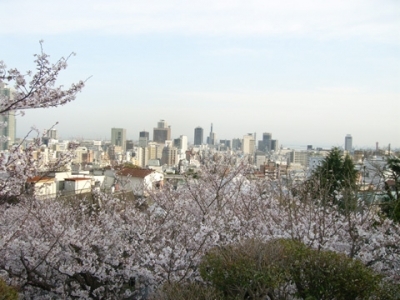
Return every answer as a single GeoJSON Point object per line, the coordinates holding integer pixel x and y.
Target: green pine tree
{"type": "Point", "coordinates": [336, 179]}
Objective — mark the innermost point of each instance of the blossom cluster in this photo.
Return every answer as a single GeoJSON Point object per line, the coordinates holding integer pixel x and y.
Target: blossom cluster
{"type": "Point", "coordinates": [127, 249]}
{"type": "Point", "coordinates": [27, 90]}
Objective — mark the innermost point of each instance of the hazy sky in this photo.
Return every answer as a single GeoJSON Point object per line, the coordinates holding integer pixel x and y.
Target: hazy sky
{"type": "Point", "coordinates": [309, 72]}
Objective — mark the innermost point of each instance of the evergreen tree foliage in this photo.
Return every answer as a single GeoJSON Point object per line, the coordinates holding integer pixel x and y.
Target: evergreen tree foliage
{"type": "Point", "coordinates": [392, 188]}
{"type": "Point", "coordinates": [336, 178]}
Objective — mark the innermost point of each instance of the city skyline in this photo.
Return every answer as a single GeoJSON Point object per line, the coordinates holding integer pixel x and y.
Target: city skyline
{"type": "Point", "coordinates": [308, 72]}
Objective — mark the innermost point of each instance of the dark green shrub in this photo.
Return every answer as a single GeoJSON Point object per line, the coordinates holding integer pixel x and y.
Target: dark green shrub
{"type": "Point", "coordinates": [255, 269]}
{"type": "Point", "coordinates": [328, 275]}
{"type": "Point", "coordinates": [251, 270]}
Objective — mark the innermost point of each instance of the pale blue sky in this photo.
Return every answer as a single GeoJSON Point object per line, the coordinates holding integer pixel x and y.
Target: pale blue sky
{"type": "Point", "coordinates": [308, 71]}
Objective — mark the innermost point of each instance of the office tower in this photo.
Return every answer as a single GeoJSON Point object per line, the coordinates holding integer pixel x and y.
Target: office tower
{"type": "Point", "coordinates": [266, 141]}
{"type": "Point", "coordinates": [118, 137]}
{"type": "Point", "coordinates": [144, 134]}
{"type": "Point", "coordinates": [9, 130]}
{"type": "Point", "coordinates": [226, 143]}
{"type": "Point", "coordinates": [143, 142]}
{"type": "Point", "coordinates": [274, 145]}
{"type": "Point", "coordinates": [236, 144]}
{"type": "Point", "coordinates": [299, 157]}
{"type": "Point", "coordinates": [162, 132]}
{"type": "Point", "coordinates": [181, 143]}
{"type": "Point", "coordinates": [52, 134]}
{"type": "Point", "coordinates": [169, 156]}
{"type": "Point", "coordinates": [177, 143]}
{"type": "Point", "coordinates": [248, 145]}
{"type": "Point", "coordinates": [129, 145]}
{"type": "Point", "coordinates": [144, 138]}
{"type": "Point", "coordinates": [348, 143]}
{"type": "Point", "coordinates": [198, 136]}
{"type": "Point", "coordinates": [154, 150]}
{"type": "Point", "coordinates": [212, 138]}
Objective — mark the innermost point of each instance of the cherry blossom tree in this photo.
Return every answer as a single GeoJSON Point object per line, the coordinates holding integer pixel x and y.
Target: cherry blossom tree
{"type": "Point", "coordinates": [127, 249]}
{"type": "Point", "coordinates": [29, 90]}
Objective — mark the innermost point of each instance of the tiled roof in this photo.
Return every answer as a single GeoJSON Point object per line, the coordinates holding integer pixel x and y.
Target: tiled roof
{"type": "Point", "coordinates": [40, 179]}
{"type": "Point", "coordinates": [139, 173]}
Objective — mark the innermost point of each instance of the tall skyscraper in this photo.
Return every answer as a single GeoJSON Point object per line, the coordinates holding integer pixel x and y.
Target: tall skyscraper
{"type": "Point", "coordinates": [266, 141]}
{"type": "Point", "coordinates": [144, 138]}
{"type": "Point", "coordinates": [118, 137]}
{"type": "Point", "coordinates": [348, 143]}
{"type": "Point", "coordinates": [274, 145]}
{"type": "Point", "coordinates": [162, 132]}
{"type": "Point", "coordinates": [144, 134]}
{"type": "Point", "coordinates": [8, 118]}
{"type": "Point", "coordinates": [198, 136]}
{"type": "Point", "coordinates": [8, 130]}
{"type": "Point", "coordinates": [236, 144]}
{"type": "Point", "coordinates": [52, 134]}
{"type": "Point", "coordinates": [169, 156]}
{"type": "Point", "coordinates": [248, 145]}
{"type": "Point", "coordinates": [212, 139]}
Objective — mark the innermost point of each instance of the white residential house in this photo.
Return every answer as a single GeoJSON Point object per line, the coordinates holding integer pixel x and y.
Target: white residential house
{"type": "Point", "coordinates": [138, 180]}
{"type": "Point", "coordinates": [78, 185]}
{"type": "Point", "coordinates": [42, 186]}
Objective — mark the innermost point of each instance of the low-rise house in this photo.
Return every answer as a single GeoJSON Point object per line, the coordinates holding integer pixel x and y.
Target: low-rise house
{"type": "Point", "coordinates": [138, 180]}
{"type": "Point", "coordinates": [42, 186]}
{"type": "Point", "coordinates": [78, 185]}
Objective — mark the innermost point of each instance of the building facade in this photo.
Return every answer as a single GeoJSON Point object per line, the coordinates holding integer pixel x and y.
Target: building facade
{"type": "Point", "coordinates": [162, 132]}
{"type": "Point", "coordinates": [212, 138]}
{"type": "Point", "coordinates": [266, 142]}
{"type": "Point", "coordinates": [9, 130]}
{"type": "Point", "coordinates": [118, 137]}
{"type": "Point", "coordinates": [198, 136]}
{"type": "Point", "coordinates": [348, 143]}
{"type": "Point", "coordinates": [248, 144]}
{"type": "Point", "coordinates": [169, 156]}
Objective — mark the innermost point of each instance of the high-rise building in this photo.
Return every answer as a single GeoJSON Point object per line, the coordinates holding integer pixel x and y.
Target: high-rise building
{"type": "Point", "coordinates": [144, 138]}
{"type": "Point", "coordinates": [154, 150]}
{"type": "Point", "coordinates": [162, 132]}
{"type": "Point", "coordinates": [118, 137]}
{"type": "Point", "coordinates": [8, 118]}
{"type": "Point", "coordinates": [236, 144]}
{"type": "Point", "coordinates": [169, 156]}
{"type": "Point", "coordinates": [129, 145]}
{"type": "Point", "coordinates": [348, 143]}
{"type": "Point", "coordinates": [299, 157]}
{"type": "Point", "coordinates": [144, 134]}
{"type": "Point", "coordinates": [274, 145]}
{"type": "Point", "coordinates": [52, 134]}
{"type": "Point", "coordinates": [226, 143]}
{"type": "Point", "coordinates": [266, 142]}
{"type": "Point", "coordinates": [198, 136]}
{"type": "Point", "coordinates": [248, 144]}
{"type": "Point", "coordinates": [181, 143]}
{"type": "Point", "coordinates": [212, 138]}
{"type": "Point", "coordinates": [8, 130]}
